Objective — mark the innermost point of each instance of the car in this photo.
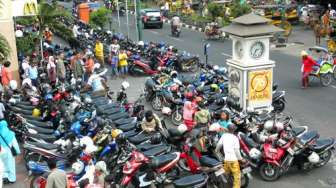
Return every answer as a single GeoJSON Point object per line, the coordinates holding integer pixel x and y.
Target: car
{"type": "Point", "coordinates": [151, 17]}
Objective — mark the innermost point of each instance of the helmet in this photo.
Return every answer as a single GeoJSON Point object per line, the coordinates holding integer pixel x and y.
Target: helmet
{"type": "Point", "coordinates": [216, 67]}
{"type": "Point", "coordinates": [170, 47]}
{"type": "Point", "coordinates": [156, 139]}
{"type": "Point", "coordinates": [214, 87]}
{"type": "Point", "coordinates": [161, 44]}
{"type": "Point", "coordinates": [173, 74]}
{"type": "Point", "coordinates": [189, 95]}
{"type": "Point", "coordinates": [36, 112]}
{"type": "Point", "coordinates": [48, 97]}
{"type": "Point", "coordinates": [279, 126]}
{"type": "Point", "coordinates": [166, 110]}
{"type": "Point", "coordinates": [202, 77]}
{"type": "Point", "coordinates": [314, 158]}
{"type": "Point", "coordinates": [87, 100]}
{"type": "Point", "coordinates": [77, 167]}
{"type": "Point", "coordinates": [125, 84]}
{"type": "Point", "coordinates": [303, 53]}
{"type": "Point", "coordinates": [255, 153]}
{"type": "Point", "coordinates": [115, 133]}
{"type": "Point", "coordinates": [174, 88]}
{"type": "Point", "coordinates": [12, 101]}
{"type": "Point", "coordinates": [27, 81]}
{"type": "Point", "coordinates": [268, 125]}
{"type": "Point", "coordinates": [101, 166]}
{"type": "Point", "coordinates": [222, 70]}
{"type": "Point", "coordinates": [13, 85]}
{"type": "Point", "coordinates": [121, 139]}
{"type": "Point", "coordinates": [182, 128]}
{"type": "Point", "coordinates": [141, 43]}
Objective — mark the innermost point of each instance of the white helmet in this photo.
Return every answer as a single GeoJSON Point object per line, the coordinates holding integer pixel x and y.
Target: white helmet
{"type": "Point", "coordinates": [77, 167]}
{"type": "Point", "coordinates": [182, 128]}
{"type": "Point", "coordinates": [141, 43]}
{"type": "Point", "coordinates": [27, 81]}
{"type": "Point", "coordinates": [125, 84]}
{"type": "Point", "coordinates": [279, 126]}
{"type": "Point", "coordinates": [268, 126]}
{"type": "Point", "coordinates": [12, 101]}
{"type": "Point", "coordinates": [255, 153]}
{"type": "Point", "coordinates": [216, 67]}
{"type": "Point", "coordinates": [13, 85]}
{"type": "Point", "coordinates": [314, 158]}
{"type": "Point", "coordinates": [101, 166]}
{"type": "Point", "coordinates": [166, 111]}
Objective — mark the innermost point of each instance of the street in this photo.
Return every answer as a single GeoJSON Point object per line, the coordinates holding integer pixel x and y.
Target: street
{"type": "Point", "coordinates": [314, 107]}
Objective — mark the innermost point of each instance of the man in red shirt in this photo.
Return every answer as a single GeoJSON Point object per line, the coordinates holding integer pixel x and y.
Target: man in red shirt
{"type": "Point", "coordinates": [307, 67]}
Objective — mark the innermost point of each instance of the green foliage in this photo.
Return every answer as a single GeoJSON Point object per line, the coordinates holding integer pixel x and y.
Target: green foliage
{"type": "Point", "coordinates": [215, 10]}
{"type": "Point", "coordinates": [27, 43]}
{"type": "Point", "coordinates": [238, 9]}
{"type": "Point", "coordinates": [4, 48]}
{"type": "Point", "coordinates": [27, 20]}
{"type": "Point", "coordinates": [99, 17]}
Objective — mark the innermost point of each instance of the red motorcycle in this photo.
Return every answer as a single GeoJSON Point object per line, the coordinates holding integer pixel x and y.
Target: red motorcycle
{"type": "Point", "coordinates": [139, 67]}
{"type": "Point", "coordinates": [142, 171]}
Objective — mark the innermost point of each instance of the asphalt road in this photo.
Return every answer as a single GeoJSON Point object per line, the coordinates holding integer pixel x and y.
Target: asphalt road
{"type": "Point", "coordinates": [314, 107]}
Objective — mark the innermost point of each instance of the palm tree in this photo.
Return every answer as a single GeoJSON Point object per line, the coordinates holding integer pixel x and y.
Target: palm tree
{"type": "Point", "coordinates": [4, 46]}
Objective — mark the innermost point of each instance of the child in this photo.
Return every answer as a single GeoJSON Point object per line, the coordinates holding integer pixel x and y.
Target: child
{"type": "Point", "coordinates": [114, 64]}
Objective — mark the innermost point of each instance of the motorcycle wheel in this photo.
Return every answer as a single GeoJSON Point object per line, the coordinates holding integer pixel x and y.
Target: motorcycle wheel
{"type": "Point", "coordinates": [324, 158]}
{"type": "Point", "coordinates": [216, 182]}
{"type": "Point", "coordinates": [269, 172]}
{"type": "Point", "coordinates": [279, 106]}
{"type": "Point", "coordinates": [36, 181]}
{"type": "Point", "coordinates": [176, 117]}
{"type": "Point", "coordinates": [326, 79]}
{"type": "Point", "coordinates": [156, 103]}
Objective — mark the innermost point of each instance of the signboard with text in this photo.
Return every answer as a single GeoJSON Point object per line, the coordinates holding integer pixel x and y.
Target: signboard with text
{"type": "Point", "coordinates": [24, 8]}
{"type": "Point", "coordinates": [260, 88]}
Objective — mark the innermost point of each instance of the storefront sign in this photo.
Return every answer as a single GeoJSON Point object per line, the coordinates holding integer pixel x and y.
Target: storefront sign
{"type": "Point", "coordinates": [24, 8]}
{"type": "Point", "coordinates": [260, 86]}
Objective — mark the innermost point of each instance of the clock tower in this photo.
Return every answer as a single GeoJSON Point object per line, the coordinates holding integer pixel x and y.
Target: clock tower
{"type": "Point", "coordinates": [250, 69]}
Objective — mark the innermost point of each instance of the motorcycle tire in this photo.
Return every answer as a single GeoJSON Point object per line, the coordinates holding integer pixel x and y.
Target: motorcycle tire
{"type": "Point", "coordinates": [324, 158]}
{"type": "Point", "coordinates": [326, 79]}
{"type": "Point", "coordinates": [157, 103]}
{"type": "Point", "coordinates": [279, 106]}
{"type": "Point", "coordinates": [177, 117]}
{"type": "Point", "coordinates": [35, 182]}
{"type": "Point", "coordinates": [273, 176]}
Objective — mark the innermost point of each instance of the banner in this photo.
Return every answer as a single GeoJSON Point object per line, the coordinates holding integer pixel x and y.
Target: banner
{"type": "Point", "coordinates": [24, 8]}
{"type": "Point", "coordinates": [260, 86]}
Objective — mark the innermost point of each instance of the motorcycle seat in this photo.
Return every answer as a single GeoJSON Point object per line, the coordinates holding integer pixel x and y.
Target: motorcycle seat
{"type": "Point", "coordinates": [139, 138]}
{"type": "Point", "coordinates": [130, 133]}
{"type": "Point", "coordinates": [156, 151]}
{"type": "Point", "coordinates": [45, 137]}
{"type": "Point", "coordinates": [128, 127]}
{"type": "Point", "coordinates": [262, 118]}
{"type": "Point", "coordinates": [33, 118]}
{"type": "Point", "coordinates": [108, 111]}
{"type": "Point", "coordinates": [117, 116]}
{"type": "Point", "coordinates": [277, 94]}
{"type": "Point", "coordinates": [42, 124]}
{"type": "Point", "coordinates": [196, 180]}
{"type": "Point", "coordinates": [101, 102]}
{"type": "Point", "coordinates": [308, 136]}
{"type": "Point", "coordinates": [162, 160]}
{"type": "Point", "coordinates": [124, 121]}
{"type": "Point", "coordinates": [40, 129]}
{"type": "Point", "coordinates": [298, 130]}
{"type": "Point", "coordinates": [209, 161]}
{"type": "Point", "coordinates": [147, 146]}
{"type": "Point", "coordinates": [25, 107]}
{"type": "Point", "coordinates": [21, 111]}
{"type": "Point", "coordinates": [175, 132]}
{"type": "Point", "coordinates": [323, 143]}
{"type": "Point", "coordinates": [24, 103]}
{"type": "Point", "coordinates": [186, 58]}
{"type": "Point", "coordinates": [46, 146]}
{"type": "Point", "coordinates": [249, 141]}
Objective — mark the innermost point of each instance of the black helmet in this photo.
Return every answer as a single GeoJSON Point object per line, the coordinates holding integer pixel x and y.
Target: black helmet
{"type": "Point", "coordinates": [149, 115]}
{"type": "Point", "coordinates": [121, 139]}
{"type": "Point", "coordinates": [156, 138]}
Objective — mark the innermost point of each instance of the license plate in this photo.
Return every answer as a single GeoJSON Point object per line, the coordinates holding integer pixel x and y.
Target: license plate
{"type": "Point", "coordinates": [219, 172]}
{"type": "Point", "coordinates": [247, 170]}
{"type": "Point", "coordinates": [290, 151]}
{"type": "Point", "coordinates": [153, 19]}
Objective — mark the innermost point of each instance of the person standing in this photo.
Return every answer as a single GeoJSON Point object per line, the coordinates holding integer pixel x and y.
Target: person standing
{"type": "Point", "coordinates": [25, 67]}
{"type": "Point", "coordinates": [60, 68]}
{"type": "Point", "coordinates": [114, 47]}
{"type": "Point", "coordinates": [229, 143]}
{"type": "Point", "coordinates": [89, 65]}
{"type": "Point", "coordinates": [307, 67]}
{"type": "Point", "coordinates": [48, 35]}
{"type": "Point", "coordinates": [114, 64]}
{"type": "Point", "coordinates": [33, 74]}
{"type": "Point", "coordinates": [326, 22]}
{"type": "Point", "coordinates": [9, 149]}
{"type": "Point", "coordinates": [6, 75]}
{"type": "Point", "coordinates": [51, 67]}
{"type": "Point", "coordinates": [77, 66]}
{"type": "Point", "coordinates": [99, 52]}
{"type": "Point", "coordinates": [123, 63]}
{"type": "Point", "coordinates": [57, 177]}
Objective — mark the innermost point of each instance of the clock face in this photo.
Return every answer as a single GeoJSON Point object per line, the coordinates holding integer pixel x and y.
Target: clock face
{"type": "Point", "coordinates": [257, 49]}
{"type": "Point", "coordinates": [239, 49]}
{"type": "Point", "coordinates": [234, 76]}
{"type": "Point", "coordinates": [259, 82]}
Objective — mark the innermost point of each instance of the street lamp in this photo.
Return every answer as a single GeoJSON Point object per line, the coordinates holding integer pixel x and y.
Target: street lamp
{"type": "Point", "coordinates": [138, 19]}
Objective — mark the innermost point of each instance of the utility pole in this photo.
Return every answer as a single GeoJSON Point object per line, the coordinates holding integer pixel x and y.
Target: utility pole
{"type": "Point", "coordinates": [138, 18]}
{"type": "Point", "coordinates": [127, 18]}
{"type": "Point", "coordinates": [118, 16]}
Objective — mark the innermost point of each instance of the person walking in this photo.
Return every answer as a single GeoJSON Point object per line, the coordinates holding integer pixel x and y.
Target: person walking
{"type": "Point", "coordinates": [99, 52]}
{"type": "Point", "coordinates": [9, 149]}
{"type": "Point", "coordinates": [123, 69]}
{"type": "Point", "coordinates": [57, 177]}
{"type": "Point", "coordinates": [6, 75]}
{"type": "Point", "coordinates": [89, 65]}
{"type": "Point", "coordinates": [307, 67]}
{"type": "Point", "coordinates": [60, 68]}
{"type": "Point", "coordinates": [229, 143]}
{"type": "Point", "coordinates": [33, 74]}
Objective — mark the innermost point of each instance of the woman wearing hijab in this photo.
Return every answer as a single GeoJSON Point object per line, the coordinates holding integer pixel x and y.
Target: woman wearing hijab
{"type": "Point", "coordinates": [8, 141]}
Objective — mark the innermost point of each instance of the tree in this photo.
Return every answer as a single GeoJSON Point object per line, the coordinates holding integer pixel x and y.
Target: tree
{"type": "Point", "coordinates": [99, 17]}
{"type": "Point", "coordinates": [215, 10]}
{"type": "Point", "coordinates": [238, 9]}
{"type": "Point", "coordinates": [4, 45]}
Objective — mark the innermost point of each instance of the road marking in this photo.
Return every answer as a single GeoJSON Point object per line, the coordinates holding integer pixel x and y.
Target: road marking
{"type": "Point", "coordinates": [155, 32]}
{"type": "Point", "coordinates": [177, 39]}
{"type": "Point", "coordinates": [333, 86]}
{"type": "Point", "coordinates": [227, 55]}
